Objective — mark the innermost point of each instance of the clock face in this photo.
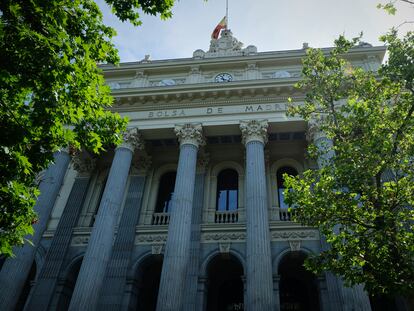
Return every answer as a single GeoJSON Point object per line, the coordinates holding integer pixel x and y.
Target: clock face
{"type": "Point", "coordinates": [223, 77]}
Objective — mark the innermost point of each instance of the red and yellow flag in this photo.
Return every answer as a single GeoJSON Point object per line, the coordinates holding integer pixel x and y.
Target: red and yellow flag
{"type": "Point", "coordinates": [219, 27]}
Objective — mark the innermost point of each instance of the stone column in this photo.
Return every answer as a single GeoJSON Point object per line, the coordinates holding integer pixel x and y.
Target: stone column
{"type": "Point", "coordinates": [46, 282]}
{"type": "Point", "coordinates": [260, 294]}
{"type": "Point", "coordinates": [15, 270]}
{"type": "Point", "coordinates": [340, 297]}
{"type": "Point", "coordinates": [177, 250]}
{"type": "Point", "coordinates": [98, 252]}
{"type": "Point", "coordinates": [116, 274]}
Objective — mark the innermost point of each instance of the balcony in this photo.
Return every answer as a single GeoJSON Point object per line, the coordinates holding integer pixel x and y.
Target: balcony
{"type": "Point", "coordinates": [160, 219]}
{"type": "Point", "coordinates": [226, 217]}
{"type": "Point", "coordinates": [283, 214]}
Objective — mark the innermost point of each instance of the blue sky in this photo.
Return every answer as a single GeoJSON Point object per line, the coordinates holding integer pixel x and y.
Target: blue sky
{"type": "Point", "coordinates": [271, 25]}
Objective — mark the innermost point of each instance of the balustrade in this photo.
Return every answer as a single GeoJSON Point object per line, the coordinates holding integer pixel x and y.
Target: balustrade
{"type": "Point", "coordinates": [286, 215]}
{"type": "Point", "coordinates": [161, 219]}
{"type": "Point", "coordinates": [224, 217]}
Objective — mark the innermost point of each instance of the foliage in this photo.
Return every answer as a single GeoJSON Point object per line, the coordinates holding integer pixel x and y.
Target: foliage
{"type": "Point", "coordinates": [361, 196]}
{"type": "Point", "coordinates": [390, 8]}
{"type": "Point", "coordinates": [52, 93]}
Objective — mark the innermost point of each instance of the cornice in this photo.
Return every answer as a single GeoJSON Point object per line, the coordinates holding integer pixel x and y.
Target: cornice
{"type": "Point", "coordinates": [208, 94]}
{"type": "Point", "coordinates": [272, 56]}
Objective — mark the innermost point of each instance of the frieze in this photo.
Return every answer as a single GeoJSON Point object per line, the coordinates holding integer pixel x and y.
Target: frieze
{"type": "Point", "coordinates": [150, 238]}
{"type": "Point", "coordinates": [290, 235]}
{"type": "Point", "coordinates": [223, 236]}
{"type": "Point", "coordinates": [176, 113]}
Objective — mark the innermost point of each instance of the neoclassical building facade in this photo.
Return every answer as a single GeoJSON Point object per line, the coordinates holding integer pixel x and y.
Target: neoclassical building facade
{"type": "Point", "coordinates": [188, 213]}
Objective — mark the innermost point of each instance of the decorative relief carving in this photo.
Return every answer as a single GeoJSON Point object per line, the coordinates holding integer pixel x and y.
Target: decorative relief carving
{"type": "Point", "coordinates": [190, 134]}
{"type": "Point", "coordinates": [313, 132]}
{"type": "Point", "coordinates": [254, 130]}
{"type": "Point", "coordinates": [157, 249]}
{"type": "Point", "coordinates": [280, 74]}
{"type": "Point", "coordinates": [224, 248]}
{"type": "Point", "coordinates": [202, 160]}
{"type": "Point", "coordinates": [139, 80]}
{"type": "Point", "coordinates": [291, 235]}
{"type": "Point", "coordinates": [294, 245]}
{"type": "Point", "coordinates": [83, 162]}
{"type": "Point", "coordinates": [150, 238]}
{"type": "Point", "coordinates": [224, 236]}
{"type": "Point", "coordinates": [114, 85]}
{"type": "Point", "coordinates": [132, 139]}
{"type": "Point", "coordinates": [141, 165]}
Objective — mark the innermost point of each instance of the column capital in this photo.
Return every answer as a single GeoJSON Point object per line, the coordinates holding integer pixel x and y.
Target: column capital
{"type": "Point", "coordinates": [83, 162]}
{"type": "Point", "coordinates": [254, 130]}
{"type": "Point", "coordinates": [132, 139]}
{"type": "Point", "coordinates": [190, 134]}
{"type": "Point", "coordinates": [314, 132]}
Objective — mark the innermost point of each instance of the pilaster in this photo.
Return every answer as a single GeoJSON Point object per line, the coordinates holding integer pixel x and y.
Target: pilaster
{"type": "Point", "coordinates": [116, 273]}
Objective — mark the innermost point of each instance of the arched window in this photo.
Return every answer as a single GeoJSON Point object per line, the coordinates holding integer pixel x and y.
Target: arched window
{"type": "Point", "coordinates": [281, 183]}
{"type": "Point", "coordinates": [165, 192]}
{"type": "Point", "coordinates": [227, 190]}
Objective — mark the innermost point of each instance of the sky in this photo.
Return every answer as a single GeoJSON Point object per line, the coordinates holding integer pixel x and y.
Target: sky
{"type": "Point", "coordinates": [271, 25]}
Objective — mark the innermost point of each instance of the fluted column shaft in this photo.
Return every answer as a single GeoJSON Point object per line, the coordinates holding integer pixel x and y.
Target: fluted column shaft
{"type": "Point", "coordinates": [47, 279]}
{"type": "Point", "coordinates": [98, 252]}
{"type": "Point", "coordinates": [259, 276]}
{"type": "Point", "coordinates": [177, 250]}
{"type": "Point", "coordinates": [15, 270]}
{"type": "Point", "coordinates": [340, 297]}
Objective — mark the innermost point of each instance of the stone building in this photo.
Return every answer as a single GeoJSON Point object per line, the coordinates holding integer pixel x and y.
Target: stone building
{"type": "Point", "coordinates": [189, 211]}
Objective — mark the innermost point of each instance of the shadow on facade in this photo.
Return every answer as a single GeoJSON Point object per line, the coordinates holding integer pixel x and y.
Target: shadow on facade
{"type": "Point", "coordinates": [146, 284]}
{"type": "Point", "coordinates": [225, 290]}
{"type": "Point", "coordinates": [389, 303]}
{"type": "Point", "coordinates": [24, 295]}
{"type": "Point", "coordinates": [298, 287]}
{"type": "Point", "coordinates": [65, 291]}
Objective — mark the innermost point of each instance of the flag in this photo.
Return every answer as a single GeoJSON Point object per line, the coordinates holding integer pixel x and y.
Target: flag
{"type": "Point", "coordinates": [219, 27]}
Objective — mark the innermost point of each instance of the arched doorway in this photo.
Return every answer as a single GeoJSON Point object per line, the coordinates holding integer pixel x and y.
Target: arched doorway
{"type": "Point", "coordinates": [147, 282]}
{"type": "Point", "coordinates": [298, 288]}
{"type": "Point", "coordinates": [66, 291]}
{"type": "Point", "coordinates": [225, 290]}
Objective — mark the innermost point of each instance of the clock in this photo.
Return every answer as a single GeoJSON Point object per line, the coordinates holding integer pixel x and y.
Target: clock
{"type": "Point", "coordinates": [223, 77]}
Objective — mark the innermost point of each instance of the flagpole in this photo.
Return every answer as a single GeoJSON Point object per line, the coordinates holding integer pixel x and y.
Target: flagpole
{"type": "Point", "coordinates": [227, 13]}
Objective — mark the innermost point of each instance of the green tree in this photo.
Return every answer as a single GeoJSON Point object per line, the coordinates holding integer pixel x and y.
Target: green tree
{"type": "Point", "coordinates": [52, 93]}
{"type": "Point", "coordinates": [362, 198]}
{"type": "Point", "coordinates": [389, 6]}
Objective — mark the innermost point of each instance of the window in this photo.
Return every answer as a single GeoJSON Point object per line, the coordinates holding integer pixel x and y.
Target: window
{"type": "Point", "coordinates": [227, 190]}
{"type": "Point", "coordinates": [165, 192]}
{"type": "Point", "coordinates": [280, 183]}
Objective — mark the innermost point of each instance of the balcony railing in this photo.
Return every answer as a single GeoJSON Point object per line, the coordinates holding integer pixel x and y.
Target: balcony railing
{"type": "Point", "coordinates": [160, 219]}
{"type": "Point", "coordinates": [285, 214]}
{"type": "Point", "coordinates": [226, 217]}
